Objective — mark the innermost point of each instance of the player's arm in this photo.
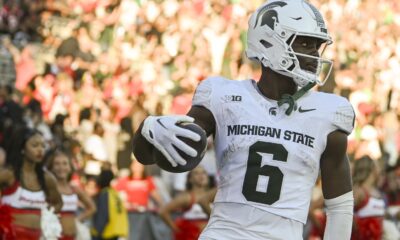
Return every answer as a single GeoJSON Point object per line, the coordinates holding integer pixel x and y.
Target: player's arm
{"type": "Point", "coordinates": [335, 167]}
{"type": "Point", "coordinates": [337, 187]}
{"type": "Point", "coordinates": [204, 118]}
{"type": "Point", "coordinates": [165, 134]}
{"type": "Point", "coordinates": [161, 132]}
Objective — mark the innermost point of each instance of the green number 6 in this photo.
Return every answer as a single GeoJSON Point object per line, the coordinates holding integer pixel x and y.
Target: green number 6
{"type": "Point", "coordinates": [254, 170]}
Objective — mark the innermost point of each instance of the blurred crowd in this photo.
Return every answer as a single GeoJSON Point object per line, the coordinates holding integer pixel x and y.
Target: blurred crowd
{"type": "Point", "coordinates": [86, 73]}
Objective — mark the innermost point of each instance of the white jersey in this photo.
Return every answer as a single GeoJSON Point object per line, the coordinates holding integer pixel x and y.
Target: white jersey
{"type": "Point", "coordinates": [265, 158]}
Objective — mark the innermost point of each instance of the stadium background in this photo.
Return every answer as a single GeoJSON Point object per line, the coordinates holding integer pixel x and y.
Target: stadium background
{"type": "Point", "coordinates": [110, 63]}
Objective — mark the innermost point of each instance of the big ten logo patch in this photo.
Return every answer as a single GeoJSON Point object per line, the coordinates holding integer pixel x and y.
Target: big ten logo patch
{"type": "Point", "coordinates": [232, 98]}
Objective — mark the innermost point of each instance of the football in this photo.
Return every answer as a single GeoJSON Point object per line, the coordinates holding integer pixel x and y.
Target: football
{"type": "Point", "coordinates": [192, 162]}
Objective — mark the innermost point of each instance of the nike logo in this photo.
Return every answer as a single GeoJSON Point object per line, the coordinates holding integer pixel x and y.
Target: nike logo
{"type": "Point", "coordinates": [298, 18]}
{"type": "Point", "coordinates": [301, 110]}
{"type": "Point", "coordinates": [162, 125]}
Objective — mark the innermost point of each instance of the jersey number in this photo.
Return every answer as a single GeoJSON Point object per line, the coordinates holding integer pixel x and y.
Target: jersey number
{"type": "Point", "coordinates": [254, 170]}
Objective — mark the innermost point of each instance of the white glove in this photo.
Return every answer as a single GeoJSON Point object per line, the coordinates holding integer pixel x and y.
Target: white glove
{"type": "Point", "coordinates": [50, 224]}
{"type": "Point", "coordinates": [162, 132]}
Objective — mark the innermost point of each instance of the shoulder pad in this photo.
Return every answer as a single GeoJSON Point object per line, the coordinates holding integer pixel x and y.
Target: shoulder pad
{"type": "Point", "coordinates": [202, 95]}
{"type": "Point", "coordinates": [343, 115]}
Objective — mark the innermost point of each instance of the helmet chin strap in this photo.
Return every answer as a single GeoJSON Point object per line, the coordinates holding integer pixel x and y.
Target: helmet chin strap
{"type": "Point", "coordinates": [291, 99]}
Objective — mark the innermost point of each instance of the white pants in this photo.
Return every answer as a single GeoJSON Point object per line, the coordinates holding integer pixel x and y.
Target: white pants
{"type": "Point", "coordinates": [235, 221]}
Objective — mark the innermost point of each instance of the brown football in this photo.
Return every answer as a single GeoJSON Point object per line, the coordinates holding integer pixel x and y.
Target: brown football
{"type": "Point", "coordinates": [192, 162]}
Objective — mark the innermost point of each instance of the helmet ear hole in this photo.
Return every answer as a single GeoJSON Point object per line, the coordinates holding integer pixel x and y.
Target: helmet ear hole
{"type": "Point", "coordinates": [285, 62]}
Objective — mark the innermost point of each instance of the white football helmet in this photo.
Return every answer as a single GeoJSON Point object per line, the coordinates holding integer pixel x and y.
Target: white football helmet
{"type": "Point", "coordinates": [274, 26]}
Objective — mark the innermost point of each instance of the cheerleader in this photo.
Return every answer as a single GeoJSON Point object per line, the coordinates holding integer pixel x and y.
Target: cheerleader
{"type": "Point", "coordinates": [26, 188]}
{"type": "Point", "coordinates": [60, 165]}
{"type": "Point", "coordinates": [193, 219]}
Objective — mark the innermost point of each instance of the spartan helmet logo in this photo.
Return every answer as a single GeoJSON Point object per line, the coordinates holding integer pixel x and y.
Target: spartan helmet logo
{"type": "Point", "coordinates": [268, 17]}
{"type": "Point", "coordinates": [272, 111]}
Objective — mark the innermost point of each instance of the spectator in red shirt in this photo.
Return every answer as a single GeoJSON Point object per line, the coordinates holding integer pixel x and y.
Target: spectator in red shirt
{"type": "Point", "coordinates": [142, 199]}
{"type": "Point", "coordinates": [137, 190]}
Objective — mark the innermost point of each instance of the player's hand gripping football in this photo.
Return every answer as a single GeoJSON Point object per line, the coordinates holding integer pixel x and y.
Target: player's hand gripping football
{"type": "Point", "coordinates": [163, 132]}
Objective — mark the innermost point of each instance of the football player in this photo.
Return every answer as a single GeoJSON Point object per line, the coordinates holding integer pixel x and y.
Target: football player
{"type": "Point", "coordinates": [272, 136]}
